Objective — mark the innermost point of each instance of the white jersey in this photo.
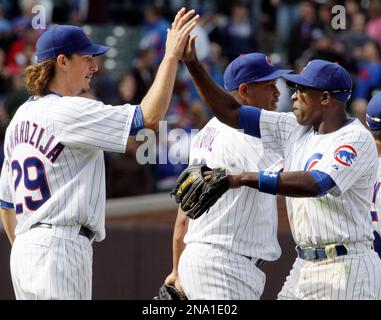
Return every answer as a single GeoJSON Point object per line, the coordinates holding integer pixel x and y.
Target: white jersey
{"type": "Point", "coordinates": [348, 156]}
{"type": "Point", "coordinates": [376, 201]}
{"type": "Point", "coordinates": [243, 221]}
{"type": "Point", "coordinates": [54, 167]}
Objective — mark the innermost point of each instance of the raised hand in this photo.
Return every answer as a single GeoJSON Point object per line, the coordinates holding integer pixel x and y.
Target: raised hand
{"type": "Point", "coordinates": [178, 35]}
{"type": "Point", "coordinates": [190, 50]}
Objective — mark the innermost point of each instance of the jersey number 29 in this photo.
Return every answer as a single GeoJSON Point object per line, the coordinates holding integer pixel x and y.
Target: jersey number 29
{"type": "Point", "coordinates": [39, 183]}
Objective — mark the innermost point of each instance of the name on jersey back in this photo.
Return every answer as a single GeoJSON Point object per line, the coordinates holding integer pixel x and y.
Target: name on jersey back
{"type": "Point", "coordinates": [34, 135]}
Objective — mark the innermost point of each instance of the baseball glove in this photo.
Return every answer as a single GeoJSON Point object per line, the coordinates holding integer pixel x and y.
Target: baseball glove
{"type": "Point", "coordinates": [196, 195]}
{"type": "Point", "coordinates": [168, 292]}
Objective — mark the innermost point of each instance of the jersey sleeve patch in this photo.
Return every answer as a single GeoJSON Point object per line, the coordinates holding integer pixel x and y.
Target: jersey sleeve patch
{"type": "Point", "coordinates": [345, 155]}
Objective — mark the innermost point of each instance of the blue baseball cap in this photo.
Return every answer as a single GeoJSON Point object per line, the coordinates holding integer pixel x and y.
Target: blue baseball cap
{"type": "Point", "coordinates": [324, 75]}
{"type": "Point", "coordinates": [64, 39]}
{"type": "Point", "coordinates": [249, 68]}
{"type": "Point", "coordinates": [373, 112]}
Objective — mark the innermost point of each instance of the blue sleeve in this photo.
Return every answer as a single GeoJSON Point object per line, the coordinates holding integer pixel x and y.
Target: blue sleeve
{"type": "Point", "coordinates": [324, 181]}
{"type": "Point", "coordinates": [137, 121]}
{"type": "Point", "coordinates": [249, 120]}
{"type": "Point", "coordinates": [6, 205]}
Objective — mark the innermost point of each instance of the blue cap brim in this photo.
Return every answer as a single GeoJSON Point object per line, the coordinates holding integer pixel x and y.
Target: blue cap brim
{"type": "Point", "coordinates": [372, 124]}
{"type": "Point", "coordinates": [94, 50]}
{"type": "Point", "coordinates": [274, 75]}
{"type": "Point", "coordinates": [299, 79]}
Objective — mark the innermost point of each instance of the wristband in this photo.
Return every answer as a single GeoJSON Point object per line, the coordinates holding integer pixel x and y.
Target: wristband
{"type": "Point", "coordinates": [268, 181]}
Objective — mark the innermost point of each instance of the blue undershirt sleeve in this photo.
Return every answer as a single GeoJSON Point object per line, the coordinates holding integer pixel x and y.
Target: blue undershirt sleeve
{"type": "Point", "coordinates": [324, 181]}
{"type": "Point", "coordinates": [249, 120]}
{"type": "Point", "coordinates": [6, 205]}
{"type": "Point", "coordinates": [137, 121]}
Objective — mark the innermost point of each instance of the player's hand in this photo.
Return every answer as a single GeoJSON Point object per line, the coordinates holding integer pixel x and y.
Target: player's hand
{"type": "Point", "coordinates": [234, 180]}
{"type": "Point", "coordinates": [190, 50]}
{"type": "Point", "coordinates": [207, 175]}
{"type": "Point", "coordinates": [173, 280]}
{"type": "Point", "coordinates": [178, 35]}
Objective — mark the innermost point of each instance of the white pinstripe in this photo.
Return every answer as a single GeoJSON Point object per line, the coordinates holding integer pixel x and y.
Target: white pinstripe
{"type": "Point", "coordinates": [341, 216]}
{"type": "Point", "coordinates": [44, 267]}
{"type": "Point", "coordinates": [212, 272]}
{"type": "Point", "coordinates": [351, 277]}
{"type": "Point", "coordinates": [376, 205]}
{"type": "Point", "coordinates": [76, 182]}
{"type": "Point", "coordinates": [242, 223]}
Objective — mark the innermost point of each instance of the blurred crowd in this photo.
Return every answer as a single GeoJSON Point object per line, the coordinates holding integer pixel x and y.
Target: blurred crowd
{"type": "Point", "coordinates": [290, 32]}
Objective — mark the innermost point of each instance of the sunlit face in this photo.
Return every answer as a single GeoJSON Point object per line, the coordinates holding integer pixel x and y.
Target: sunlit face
{"type": "Point", "coordinates": [79, 73]}
{"type": "Point", "coordinates": [306, 105]}
{"type": "Point", "coordinates": [260, 94]}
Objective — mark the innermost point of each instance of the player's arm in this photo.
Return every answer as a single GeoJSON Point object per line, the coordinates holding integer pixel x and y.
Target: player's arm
{"type": "Point", "coordinates": [292, 184]}
{"type": "Point", "coordinates": [8, 218]}
{"type": "Point", "coordinates": [178, 246]}
{"type": "Point", "coordinates": [7, 212]}
{"type": "Point", "coordinates": [274, 128]}
{"type": "Point", "coordinates": [155, 104]}
{"type": "Point", "coordinates": [222, 104]}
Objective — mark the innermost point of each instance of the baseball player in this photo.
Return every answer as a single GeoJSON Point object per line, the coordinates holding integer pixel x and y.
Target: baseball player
{"type": "Point", "coordinates": [373, 120]}
{"type": "Point", "coordinates": [329, 171]}
{"type": "Point", "coordinates": [53, 174]}
{"type": "Point", "coordinates": [225, 247]}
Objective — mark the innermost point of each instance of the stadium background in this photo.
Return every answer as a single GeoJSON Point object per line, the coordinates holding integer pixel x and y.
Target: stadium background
{"type": "Point", "coordinates": [136, 256]}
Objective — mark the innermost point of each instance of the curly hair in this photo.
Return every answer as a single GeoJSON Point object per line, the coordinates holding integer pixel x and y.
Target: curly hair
{"type": "Point", "coordinates": [38, 76]}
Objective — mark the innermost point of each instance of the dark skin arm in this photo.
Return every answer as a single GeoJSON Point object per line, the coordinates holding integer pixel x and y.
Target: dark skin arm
{"type": "Point", "coordinates": [291, 184]}
{"type": "Point", "coordinates": [222, 104]}
{"type": "Point", "coordinates": [226, 109]}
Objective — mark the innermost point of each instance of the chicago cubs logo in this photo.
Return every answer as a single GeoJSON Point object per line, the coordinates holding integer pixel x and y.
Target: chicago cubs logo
{"type": "Point", "coordinates": [312, 161]}
{"type": "Point", "coordinates": [345, 155]}
{"type": "Point", "coordinates": [269, 61]}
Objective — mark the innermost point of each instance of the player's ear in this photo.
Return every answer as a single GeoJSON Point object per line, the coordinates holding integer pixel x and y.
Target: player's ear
{"type": "Point", "coordinates": [325, 98]}
{"type": "Point", "coordinates": [242, 90]}
{"type": "Point", "coordinates": [61, 61]}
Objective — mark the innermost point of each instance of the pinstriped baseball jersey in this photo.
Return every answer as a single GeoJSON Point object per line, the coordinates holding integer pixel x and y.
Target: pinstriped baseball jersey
{"type": "Point", "coordinates": [54, 167]}
{"type": "Point", "coordinates": [243, 221]}
{"type": "Point", "coordinates": [348, 156]}
{"type": "Point", "coordinates": [376, 201]}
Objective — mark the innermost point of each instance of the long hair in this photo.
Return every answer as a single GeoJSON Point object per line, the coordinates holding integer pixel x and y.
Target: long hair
{"type": "Point", "coordinates": [38, 76]}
